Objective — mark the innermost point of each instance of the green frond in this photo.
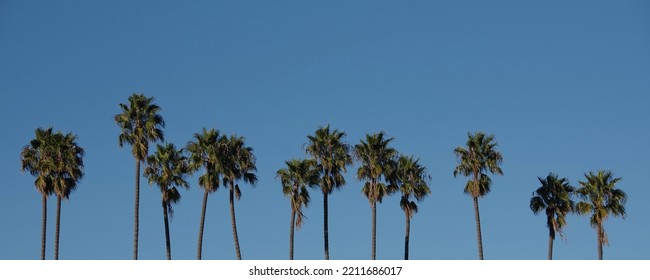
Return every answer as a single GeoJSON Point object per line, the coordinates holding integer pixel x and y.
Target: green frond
{"type": "Point", "coordinates": [56, 160]}
{"type": "Point", "coordinates": [332, 156]}
{"type": "Point", "coordinates": [237, 192]}
{"type": "Point", "coordinates": [141, 124]}
{"type": "Point", "coordinates": [167, 168]}
{"type": "Point", "coordinates": [475, 160]}
{"type": "Point", "coordinates": [600, 197]}
{"type": "Point", "coordinates": [377, 160]}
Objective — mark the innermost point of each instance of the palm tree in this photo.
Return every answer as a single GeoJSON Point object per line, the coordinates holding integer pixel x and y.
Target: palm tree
{"type": "Point", "coordinates": [141, 124]}
{"type": "Point", "coordinates": [67, 171]}
{"type": "Point", "coordinates": [554, 197]}
{"type": "Point", "coordinates": [205, 153]}
{"type": "Point", "coordinates": [332, 155]}
{"type": "Point", "coordinates": [377, 160]}
{"type": "Point", "coordinates": [600, 198]}
{"type": "Point", "coordinates": [167, 168]}
{"type": "Point", "coordinates": [295, 178]}
{"type": "Point", "coordinates": [411, 179]}
{"type": "Point", "coordinates": [238, 163]}
{"type": "Point", "coordinates": [34, 159]}
{"type": "Point", "coordinates": [476, 160]}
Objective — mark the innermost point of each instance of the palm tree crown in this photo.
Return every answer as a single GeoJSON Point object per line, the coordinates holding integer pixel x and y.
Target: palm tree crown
{"type": "Point", "coordinates": [377, 160]}
{"type": "Point", "coordinates": [34, 159]}
{"type": "Point", "coordinates": [475, 160]}
{"type": "Point", "coordinates": [67, 164]}
{"type": "Point", "coordinates": [600, 198]}
{"type": "Point", "coordinates": [554, 198]}
{"type": "Point", "coordinates": [332, 155]}
{"type": "Point", "coordinates": [141, 124]}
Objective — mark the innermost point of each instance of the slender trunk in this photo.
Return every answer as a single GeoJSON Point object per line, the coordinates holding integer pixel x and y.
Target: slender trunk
{"type": "Point", "coordinates": [600, 238]}
{"type": "Point", "coordinates": [43, 226]}
{"type": "Point", "coordinates": [407, 236]}
{"type": "Point", "coordinates": [479, 237]}
{"type": "Point", "coordinates": [325, 229]}
{"type": "Point", "coordinates": [137, 209]}
{"type": "Point", "coordinates": [550, 244]}
{"type": "Point", "coordinates": [373, 206]}
{"type": "Point", "coordinates": [167, 242]}
{"type": "Point", "coordinates": [233, 221]}
{"type": "Point", "coordinates": [58, 227]}
{"type": "Point", "coordinates": [201, 224]}
{"type": "Point", "coordinates": [291, 232]}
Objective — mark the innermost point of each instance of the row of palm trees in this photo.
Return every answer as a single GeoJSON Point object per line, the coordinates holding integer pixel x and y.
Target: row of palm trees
{"type": "Point", "coordinates": [224, 159]}
{"type": "Point", "coordinates": [55, 160]}
{"type": "Point", "coordinates": [383, 169]}
{"type": "Point", "coordinates": [598, 196]}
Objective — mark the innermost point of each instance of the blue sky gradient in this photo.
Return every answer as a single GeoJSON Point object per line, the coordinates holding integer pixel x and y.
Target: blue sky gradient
{"type": "Point", "coordinates": [563, 86]}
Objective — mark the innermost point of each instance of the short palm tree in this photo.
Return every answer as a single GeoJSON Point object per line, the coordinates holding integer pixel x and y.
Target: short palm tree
{"type": "Point", "coordinates": [238, 163]}
{"type": "Point", "coordinates": [378, 160]}
{"type": "Point", "coordinates": [411, 179]}
{"type": "Point", "coordinates": [34, 159]}
{"type": "Point", "coordinates": [67, 171]}
{"type": "Point", "coordinates": [295, 178]}
{"type": "Point", "coordinates": [600, 198]}
{"type": "Point", "coordinates": [474, 161]}
{"type": "Point", "coordinates": [554, 198]}
{"type": "Point", "coordinates": [167, 168]}
{"type": "Point", "coordinates": [332, 155]}
{"type": "Point", "coordinates": [141, 124]}
{"type": "Point", "coordinates": [205, 153]}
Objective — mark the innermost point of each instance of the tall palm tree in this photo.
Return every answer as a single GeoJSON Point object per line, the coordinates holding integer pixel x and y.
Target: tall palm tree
{"type": "Point", "coordinates": [411, 179]}
{"type": "Point", "coordinates": [205, 153]}
{"type": "Point", "coordinates": [167, 168]}
{"type": "Point", "coordinates": [332, 155]}
{"type": "Point", "coordinates": [377, 160]}
{"type": "Point", "coordinates": [295, 178]}
{"type": "Point", "coordinates": [238, 163]}
{"type": "Point", "coordinates": [34, 159]}
{"type": "Point", "coordinates": [475, 161]}
{"type": "Point", "coordinates": [67, 171]}
{"type": "Point", "coordinates": [601, 198]}
{"type": "Point", "coordinates": [554, 197]}
{"type": "Point", "coordinates": [141, 124]}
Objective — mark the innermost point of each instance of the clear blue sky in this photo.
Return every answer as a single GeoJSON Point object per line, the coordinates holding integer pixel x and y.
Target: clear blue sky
{"type": "Point", "coordinates": [563, 86]}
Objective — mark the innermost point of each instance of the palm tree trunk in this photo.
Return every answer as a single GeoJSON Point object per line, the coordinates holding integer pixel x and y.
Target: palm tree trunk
{"type": "Point", "coordinates": [291, 232]}
{"type": "Point", "coordinates": [167, 242]}
{"type": "Point", "coordinates": [58, 227]}
{"type": "Point", "coordinates": [373, 206]}
{"type": "Point", "coordinates": [201, 224]}
{"type": "Point", "coordinates": [325, 228]}
{"type": "Point", "coordinates": [43, 226]}
{"type": "Point", "coordinates": [233, 221]}
{"type": "Point", "coordinates": [479, 237]}
{"type": "Point", "coordinates": [600, 241]}
{"type": "Point", "coordinates": [550, 244]}
{"type": "Point", "coordinates": [551, 235]}
{"type": "Point", "coordinates": [407, 236]}
{"type": "Point", "coordinates": [137, 209]}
